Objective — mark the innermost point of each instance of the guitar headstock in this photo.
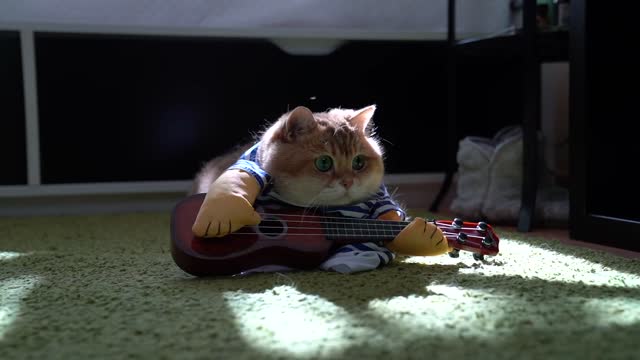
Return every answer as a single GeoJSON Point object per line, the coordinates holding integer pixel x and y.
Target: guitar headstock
{"type": "Point", "coordinates": [476, 237]}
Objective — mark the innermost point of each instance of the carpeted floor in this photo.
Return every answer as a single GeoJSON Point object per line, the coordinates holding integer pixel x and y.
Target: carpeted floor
{"type": "Point", "coordinates": [105, 286]}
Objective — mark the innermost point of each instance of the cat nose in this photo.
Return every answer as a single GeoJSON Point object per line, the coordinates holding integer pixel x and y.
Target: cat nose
{"type": "Point", "coordinates": [347, 183]}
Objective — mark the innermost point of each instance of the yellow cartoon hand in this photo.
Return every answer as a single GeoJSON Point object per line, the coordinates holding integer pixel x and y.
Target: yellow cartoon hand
{"type": "Point", "coordinates": [224, 215]}
{"type": "Point", "coordinates": [228, 206]}
{"type": "Point", "coordinates": [420, 238]}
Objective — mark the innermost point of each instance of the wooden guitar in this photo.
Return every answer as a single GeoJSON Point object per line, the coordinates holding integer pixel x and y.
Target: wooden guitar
{"type": "Point", "coordinates": [293, 237]}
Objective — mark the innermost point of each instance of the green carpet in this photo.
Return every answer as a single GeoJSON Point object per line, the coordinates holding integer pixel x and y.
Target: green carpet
{"type": "Point", "coordinates": [105, 286]}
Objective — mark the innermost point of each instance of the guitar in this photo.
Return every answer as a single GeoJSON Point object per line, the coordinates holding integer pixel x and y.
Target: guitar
{"type": "Point", "coordinates": [291, 237]}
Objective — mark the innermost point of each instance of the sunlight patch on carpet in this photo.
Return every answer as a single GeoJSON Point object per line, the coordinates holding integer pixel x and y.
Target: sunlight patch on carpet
{"type": "Point", "coordinates": [613, 311]}
{"type": "Point", "coordinates": [285, 320]}
{"type": "Point", "coordinates": [451, 312]}
{"type": "Point", "coordinates": [9, 255]}
{"type": "Point", "coordinates": [521, 259]}
{"type": "Point", "coordinates": [448, 310]}
{"type": "Point", "coordinates": [12, 292]}
{"type": "Point", "coordinates": [558, 267]}
{"type": "Point", "coordinates": [527, 286]}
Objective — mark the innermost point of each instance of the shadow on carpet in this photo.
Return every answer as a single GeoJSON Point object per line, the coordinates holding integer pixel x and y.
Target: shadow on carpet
{"type": "Point", "coordinates": [105, 286]}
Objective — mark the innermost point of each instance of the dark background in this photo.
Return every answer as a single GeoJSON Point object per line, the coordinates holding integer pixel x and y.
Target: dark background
{"type": "Point", "coordinates": [143, 108]}
{"type": "Point", "coordinates": [603, 111]}
{"type": "Point", "coordinates": [611, 108]}
{"type": "Point", "coordinates": [13, 158]}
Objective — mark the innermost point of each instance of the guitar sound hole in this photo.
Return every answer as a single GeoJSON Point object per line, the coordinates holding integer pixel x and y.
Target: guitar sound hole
{"type": "Point", "coordinates": [271, 227]}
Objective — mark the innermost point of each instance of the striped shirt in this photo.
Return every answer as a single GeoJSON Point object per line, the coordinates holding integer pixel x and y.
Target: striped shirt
{"type": "Point", "coordinates": [349, 258]}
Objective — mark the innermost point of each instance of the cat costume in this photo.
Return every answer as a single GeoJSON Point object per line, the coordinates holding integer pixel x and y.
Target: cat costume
{"type": "Point", "coordinates": [228, 206]}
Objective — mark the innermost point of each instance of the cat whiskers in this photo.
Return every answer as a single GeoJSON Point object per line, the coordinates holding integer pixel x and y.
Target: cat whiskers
{"type": "Point", "coordinates": [311, 206]}
{"type": "Point", "coordinates": [310, 210]}
{"type": "Point", "coordinates": [387, 141]}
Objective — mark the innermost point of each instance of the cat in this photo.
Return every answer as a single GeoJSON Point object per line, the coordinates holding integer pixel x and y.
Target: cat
{"type": "Point", "coordinates": [330, 158]}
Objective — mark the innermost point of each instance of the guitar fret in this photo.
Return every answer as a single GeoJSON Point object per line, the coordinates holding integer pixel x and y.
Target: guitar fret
{"type": "Point", "coordinates": [331, 229]}
{"type": "Point", "coordinates": [388, 230]}
{"type": "Point", "coordinates": [362, 229]}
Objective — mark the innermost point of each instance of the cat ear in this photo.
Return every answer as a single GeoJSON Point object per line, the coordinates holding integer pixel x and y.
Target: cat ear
{"type": "Point", "coordinates": [300, 121]}
{"type": "Point", "coordinates": [363, 117]}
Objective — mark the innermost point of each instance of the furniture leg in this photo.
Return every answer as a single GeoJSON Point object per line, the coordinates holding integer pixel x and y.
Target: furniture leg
{"type": "Point", "coordinates": [452, 129]}
{"type": "Point", "coordinates": [531, 118]}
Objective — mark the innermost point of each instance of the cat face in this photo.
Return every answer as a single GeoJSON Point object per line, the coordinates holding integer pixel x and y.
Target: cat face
{"type": "Point", "coordinates": [326, 158]}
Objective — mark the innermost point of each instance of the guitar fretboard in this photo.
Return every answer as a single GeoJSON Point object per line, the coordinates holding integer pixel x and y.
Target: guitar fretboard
{"type": "Point", "coordinates": [357, 230]}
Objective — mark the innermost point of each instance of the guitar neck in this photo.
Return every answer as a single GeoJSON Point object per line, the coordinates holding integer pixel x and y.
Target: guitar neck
{"type": "Point", "coordinates": [350, 230]}
{"type": "Point", "coordinates": [475, 237]}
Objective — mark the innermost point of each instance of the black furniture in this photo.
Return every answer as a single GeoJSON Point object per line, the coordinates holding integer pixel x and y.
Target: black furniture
{"type": "Point", "coordinates": [533, 48]}
{"type": "Point", "coordinates": [604, 149]}
{"type": "Point", "coordinates": [127, 112]}
{"type": "Point", "coordinates": [12, 130]}
{"type": "Point", "coordinates": [133, 110]}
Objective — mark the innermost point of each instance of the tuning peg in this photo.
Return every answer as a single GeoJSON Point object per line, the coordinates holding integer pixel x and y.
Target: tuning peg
{"type": "Point", "coordinates": [482, 226]}
{"type": "Point", "coordinates": [487, 241]}
{"type": "Point", "coordinates": [478, 257]}
{"type": "Point", "coordinates": [454, 253]}
{"type": "Point", "coordinates": [457, 223]}
{"type": "Point", "coordinates": [462, 238]}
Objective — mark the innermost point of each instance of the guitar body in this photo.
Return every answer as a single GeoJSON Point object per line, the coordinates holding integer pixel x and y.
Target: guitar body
{"type": "Point", "coordinates": [293, 237]}
{"type": "Point", "coordinates": [272, 242]}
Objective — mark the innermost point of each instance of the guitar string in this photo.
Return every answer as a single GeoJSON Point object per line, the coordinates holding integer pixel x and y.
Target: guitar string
{"type": "Point", "coordinates": [447, 234]}
{"type": "Point", "coordinates": [440, 222]}
{"type": "Point", "coordinates": [324, 235]}
{"type": "Point", "coordinates": [392, 227]}
{"type": "Point", "coordinates": [339, 217]}
{"type": "Point", "coordinates": [352, 221]}
{"type": "Point", "coordinates": [452, 239]}
{"type": "Point", "coordinates": [379, 223]}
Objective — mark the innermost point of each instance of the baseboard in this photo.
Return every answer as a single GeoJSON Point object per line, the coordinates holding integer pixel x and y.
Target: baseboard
{"type": "Point", "coordinates": [89, 204]}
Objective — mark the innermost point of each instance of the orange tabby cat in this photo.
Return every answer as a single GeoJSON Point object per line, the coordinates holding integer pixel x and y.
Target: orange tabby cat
{"type": "Point", "coordinates": [326, 158]}
{"type": "Point", "coordinates": [329, 159]}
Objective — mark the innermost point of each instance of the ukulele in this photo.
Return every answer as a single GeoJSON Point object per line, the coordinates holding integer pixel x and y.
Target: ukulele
{"type": "Point", "coordinates": [293, 237]}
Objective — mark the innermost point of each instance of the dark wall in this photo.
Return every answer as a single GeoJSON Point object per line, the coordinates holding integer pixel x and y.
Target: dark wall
{"type": "Point", "coordinates": [13, 169]}
{"type": "Point", "coordinates": [136, 108]}
{"type": "Point", "coordinates": [612, 111]}
{"type": "Point", "coordinates": [489, 92]}
{"type": "Point", "coordinates": [603, 140]}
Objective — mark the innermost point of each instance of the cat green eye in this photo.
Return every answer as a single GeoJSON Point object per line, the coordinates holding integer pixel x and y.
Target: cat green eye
{"type": "Point", "coordinates": [358, 162]}
{"type": "Point", "coordinates": [324, 163]}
